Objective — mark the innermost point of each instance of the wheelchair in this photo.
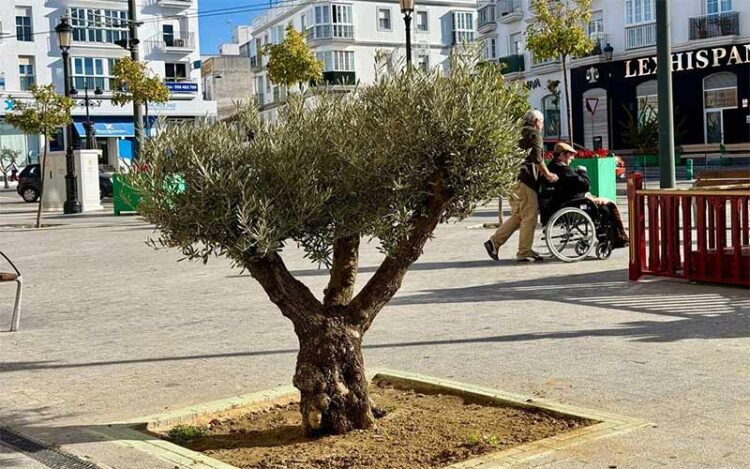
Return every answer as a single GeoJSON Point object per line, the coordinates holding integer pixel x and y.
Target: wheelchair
{"type": "Point", "coordinates": [574, 229]}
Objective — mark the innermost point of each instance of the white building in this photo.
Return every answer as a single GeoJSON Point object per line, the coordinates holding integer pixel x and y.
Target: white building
{"type": "Point", "coordinates": [29, 53]}
{"type": "Point", "coordinates": [711, 55]}
{"type": "Point", "coordinates": [346, 35]}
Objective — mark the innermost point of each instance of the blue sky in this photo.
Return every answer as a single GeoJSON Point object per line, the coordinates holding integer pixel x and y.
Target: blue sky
{"type": "Point", "coordinates": [217, 29]}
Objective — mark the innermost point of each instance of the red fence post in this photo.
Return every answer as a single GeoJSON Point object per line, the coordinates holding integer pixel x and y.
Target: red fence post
{"type": "Point", "coordinates": [636, 226]}
{"type": "Point", "coordinates": [687, 236]}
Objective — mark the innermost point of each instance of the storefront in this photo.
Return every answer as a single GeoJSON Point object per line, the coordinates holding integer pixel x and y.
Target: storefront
{"type": "Point", "coordinates": [711, 90]}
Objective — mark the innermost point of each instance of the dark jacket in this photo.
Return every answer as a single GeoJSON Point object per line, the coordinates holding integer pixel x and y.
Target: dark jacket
{"type": "Point", "coordinates": [531, 143]}
{"type": "Point", "coordinates": [571, 185]}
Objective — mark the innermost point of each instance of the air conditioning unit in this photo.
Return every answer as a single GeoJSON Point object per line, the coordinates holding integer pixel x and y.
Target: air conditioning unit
{"type": "Point", "coordinates": [178, 43]}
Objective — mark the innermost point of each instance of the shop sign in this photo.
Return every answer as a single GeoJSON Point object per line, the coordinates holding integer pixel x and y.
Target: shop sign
{"type": "Point", "coordinates": [182, 87]}
{"type": "Point", "coordinates": [691, 60]}
{"type": "Point", "coordinates": [533, 84]}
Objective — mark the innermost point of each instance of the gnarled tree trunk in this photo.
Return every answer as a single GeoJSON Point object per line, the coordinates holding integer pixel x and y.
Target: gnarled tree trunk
{"type": "Point", "coordinates": [331, 379]}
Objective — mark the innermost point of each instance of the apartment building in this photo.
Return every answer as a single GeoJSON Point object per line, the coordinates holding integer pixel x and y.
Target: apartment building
{"type": "Point", "coordinates": [29, 53]}
{"type": "Point", "coordinates": [347, 35]}
{"type": "Point", "coordinates": [710, 63]}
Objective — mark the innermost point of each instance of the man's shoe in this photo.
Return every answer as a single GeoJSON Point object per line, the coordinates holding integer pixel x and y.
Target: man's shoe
{"type": "Point", "coordinates": [491, 249]}
{"type": "Point", "coordinates": [533, 257]}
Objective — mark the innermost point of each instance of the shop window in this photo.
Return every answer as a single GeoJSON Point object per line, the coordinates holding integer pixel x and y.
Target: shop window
{"type": "Point", "coordinates": [719, 93]}
{"type": "Point", "coordinates": [648, 100]}
{"type": "Point", "coordinates": [551, 109]}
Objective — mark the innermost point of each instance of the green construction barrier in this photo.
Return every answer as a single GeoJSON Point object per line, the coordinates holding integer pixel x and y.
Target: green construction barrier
{"type": "Point", "coordinates": [127, 199]}
{"type": "Point", "coordinates": [601, 172]}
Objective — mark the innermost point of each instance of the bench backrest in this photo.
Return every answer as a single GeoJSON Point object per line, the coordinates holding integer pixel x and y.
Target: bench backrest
{"type": "Point", "coordinates": [722, 178]}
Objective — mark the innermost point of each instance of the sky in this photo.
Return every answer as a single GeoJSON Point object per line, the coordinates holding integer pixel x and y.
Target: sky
{"type": "Point", "coordinates": [215, 30]}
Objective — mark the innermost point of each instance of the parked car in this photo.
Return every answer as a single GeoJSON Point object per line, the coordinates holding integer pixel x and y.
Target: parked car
{"type": "Point", "coordinates": [549, 146]}
{"type": "Point", "coordinates": [29, 184]}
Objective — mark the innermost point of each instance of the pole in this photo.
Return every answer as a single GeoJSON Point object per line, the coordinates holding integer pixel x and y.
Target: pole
{"type": "Point", "coordinates": [664, 81]}
{"type": "Point", "coordinates": [72, 205]}
{"type": "Point", "coordinates": [407, 22]}
{"type": "Point", "coordinates": [135, 56]}
{"type": "Point", "coordinates": [90, 144]}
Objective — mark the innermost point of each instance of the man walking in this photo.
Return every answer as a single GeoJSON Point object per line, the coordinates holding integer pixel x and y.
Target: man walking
{"type": "Point", "coordinates": [523, 199]}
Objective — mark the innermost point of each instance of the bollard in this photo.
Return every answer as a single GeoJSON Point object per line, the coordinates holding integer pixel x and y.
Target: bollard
{"type": "Point", "coordinates": [689, 169]}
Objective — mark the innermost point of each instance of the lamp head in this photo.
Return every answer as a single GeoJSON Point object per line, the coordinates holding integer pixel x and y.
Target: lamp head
{"type": "Point", "coordinates": [64, 33]}
{"type": "Point", "coordinates": [406, 5]}
{"type": "Point", "coordinates": [608, 50]}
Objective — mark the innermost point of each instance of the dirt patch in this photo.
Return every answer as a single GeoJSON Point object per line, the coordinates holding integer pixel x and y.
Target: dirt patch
{"type": "Point", "coordinates": [419, 431]}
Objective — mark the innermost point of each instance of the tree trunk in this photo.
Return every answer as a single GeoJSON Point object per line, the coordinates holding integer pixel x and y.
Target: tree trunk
{"type": "Point", "coordinates": [331, 379]}
{"type": "Point", "coordinates": [568, 112]}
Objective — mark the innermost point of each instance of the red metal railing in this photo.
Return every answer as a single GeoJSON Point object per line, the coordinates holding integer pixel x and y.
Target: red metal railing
{"type": "Point", "coordinates": [697, 234]}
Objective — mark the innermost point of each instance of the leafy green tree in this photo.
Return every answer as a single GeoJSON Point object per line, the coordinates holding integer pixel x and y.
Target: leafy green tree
{"type": "Point", "coordinates": [8, 157]}
{"type": "Point", "coordinates": [291, 62]}
{"type": "Point", "coordinates": [386, 163]}
{"type": "Point", "coordinates": [43, 114]}
{"type": "Point", "coordinates": [559, 30]}
{"type": "Point", "coordinates": [134, 83]}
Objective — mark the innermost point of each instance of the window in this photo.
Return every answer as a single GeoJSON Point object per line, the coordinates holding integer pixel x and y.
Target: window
{"type": "Point", "coordinates": [639, 11]}
{"type": "Point", "coordinates": [92, 73]}
{"type": "Point", "coordinates": [648, 100]}
{"type": "Point", "coordinates": [337, 60]}
{"type": "Point", "coordinates": [24, 30]}
{"type": "Point", "coordinates": [463, 27]}
{"type": "Point", "coordinates": [714, 7]}
{"type": "Point", "coordinates": [277, 34]}
{"type": "Point", "coordinates": [720, 91]}
{"type": "Point", "coordinates": [596, 24]}
{"type": "Point", "coordinates": [423, 63]}
{"type": "Point", "coordinates": [551, 110]}
{"type": "Point", "coordinates": [516, 44]}
{"type": "Point", "coordinates": [268, 84]}
{"type": "Point", "coordinates": [331, 21]}
{"type": "Point", "coordinates": [384, 19]}
{"type": "Point", "coordinates": [96, 25]}
{"type": "Point", "coordinates": [168, 34]}
{"type": "Point", "coordinates": [26, 72]}
{"type": "Point", "coordinates": [490, 49]}
{"type": "Point", "coordinates": [175, 72]}
{"type": "Point", "coordinates": [423, 24]}
{"type": "Point", "coordinates": [302, 25]}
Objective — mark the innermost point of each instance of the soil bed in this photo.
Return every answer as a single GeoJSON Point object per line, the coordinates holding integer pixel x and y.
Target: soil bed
{"type": "Point", "coordinates": [419, 431]}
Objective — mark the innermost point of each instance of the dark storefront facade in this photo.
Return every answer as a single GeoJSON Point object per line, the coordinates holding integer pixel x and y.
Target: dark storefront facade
{"type": "Point", "coordinates": [711, 91]}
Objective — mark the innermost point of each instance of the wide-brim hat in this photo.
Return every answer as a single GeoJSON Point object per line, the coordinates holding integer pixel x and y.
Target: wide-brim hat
{"type": "Point", "coordinates": [562, 147]}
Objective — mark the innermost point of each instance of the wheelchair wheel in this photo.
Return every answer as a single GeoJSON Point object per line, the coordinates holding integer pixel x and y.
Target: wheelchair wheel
{"type": "Point", "coordinates": [570, 234]}
{"type": "Point", "coordinates": [604, 250]}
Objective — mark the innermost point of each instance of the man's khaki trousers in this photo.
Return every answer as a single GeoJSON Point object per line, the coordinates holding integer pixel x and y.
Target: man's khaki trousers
{"type": "Point", "coordinates": [524, 208]}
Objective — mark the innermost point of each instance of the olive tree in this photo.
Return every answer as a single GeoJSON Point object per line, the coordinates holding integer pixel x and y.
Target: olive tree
{"type": "Point", "coordinates": [386, 163]}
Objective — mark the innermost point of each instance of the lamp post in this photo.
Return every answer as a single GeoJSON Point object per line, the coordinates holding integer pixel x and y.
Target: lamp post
{"type": "Point", "coordinates": [407, 8]}
{"type": "Point", "coordinates": [72, 205]}
{"type": "Point", "coordinates": [88, 125]}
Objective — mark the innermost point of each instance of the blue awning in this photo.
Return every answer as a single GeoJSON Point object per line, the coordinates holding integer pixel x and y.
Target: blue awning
{"type": "Point", "coordinates": [103, 129]}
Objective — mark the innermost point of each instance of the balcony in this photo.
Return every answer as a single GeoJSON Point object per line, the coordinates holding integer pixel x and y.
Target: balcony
{"type": "Point", "coordinates": [179, 4]}
{"type": "Point", "coordinates": [330, 31]}
{"type": "Point", "coordinates": [716, 25]}
{"type": "Point", "coordinates": [508, 11]}
{"type": "Point", "coordinates": [486, 18]}
{"type": "Point", "coordinates": [643, 35]}
{"type": "Point", "coordinates": [600, 42]}
{"type": "Point", "coordinates": [180, 43]}
{"type": "Point", "coordinates": [512, 63]}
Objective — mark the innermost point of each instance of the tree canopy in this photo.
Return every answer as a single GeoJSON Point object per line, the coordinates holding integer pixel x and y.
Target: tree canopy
{"type": "Point", "coordinates": [559, 28]}
{"type": "Point", "coordinates": [133, 82]}
{"type": "Point", "coordinates": [291, 61]}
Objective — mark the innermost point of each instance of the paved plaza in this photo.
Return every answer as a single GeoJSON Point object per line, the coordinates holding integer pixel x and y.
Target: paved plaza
{"type": "Point", "coordinates": [112, 330]}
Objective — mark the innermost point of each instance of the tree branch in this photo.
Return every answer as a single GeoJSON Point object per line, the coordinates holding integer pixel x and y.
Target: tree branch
{"type": "Point", "coordinates": [293, 298]}
{"type": "Point", "coordinates": [387, 279]}
{"type": "Point", "coordinates": [343, 271]}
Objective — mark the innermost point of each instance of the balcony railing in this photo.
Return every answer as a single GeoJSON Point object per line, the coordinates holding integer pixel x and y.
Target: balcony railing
{"type": "Point", "coordinates": [643, 35]}
{"type": "Point", "coordinates": [176, 42]}
{"type": "Point", "coordinates": [175, 3]}
{"type": "Point", "coordinates": [716, 25]}
{"type": "Point", "coordinates": [330, 31]}
{"type": "Point", "coordinates": [600, 42]}
{"type": "Point", "coordinates": [508, 11]}
{"type": "Point", "coordinates": [486, 16]}
{"type": "Point", "coordinates": [512, 63]}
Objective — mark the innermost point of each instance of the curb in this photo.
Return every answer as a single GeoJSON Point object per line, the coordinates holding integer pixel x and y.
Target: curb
{"type": "Point", "coordinates": [135, 433]}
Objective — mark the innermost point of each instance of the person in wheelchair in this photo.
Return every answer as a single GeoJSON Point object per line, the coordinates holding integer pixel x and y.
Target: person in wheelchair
{"type": "Point", "coordinates": [575, 185]}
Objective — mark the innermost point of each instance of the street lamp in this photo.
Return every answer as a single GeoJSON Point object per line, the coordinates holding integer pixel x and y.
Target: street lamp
{"type": "Point", "coordinates": [407, 8]}
{"type": "Point", "coordinates": [64, 39]}
{"type": "Point", "coordinates": [608, 50]}
{"type": "Point", "coordinates": [88, 125]}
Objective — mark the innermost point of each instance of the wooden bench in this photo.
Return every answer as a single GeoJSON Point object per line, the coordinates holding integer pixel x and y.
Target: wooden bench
{"type": "Point", "coordinates": [13, 277]}
{"type": "Point", "coordinates": [726, 177]}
